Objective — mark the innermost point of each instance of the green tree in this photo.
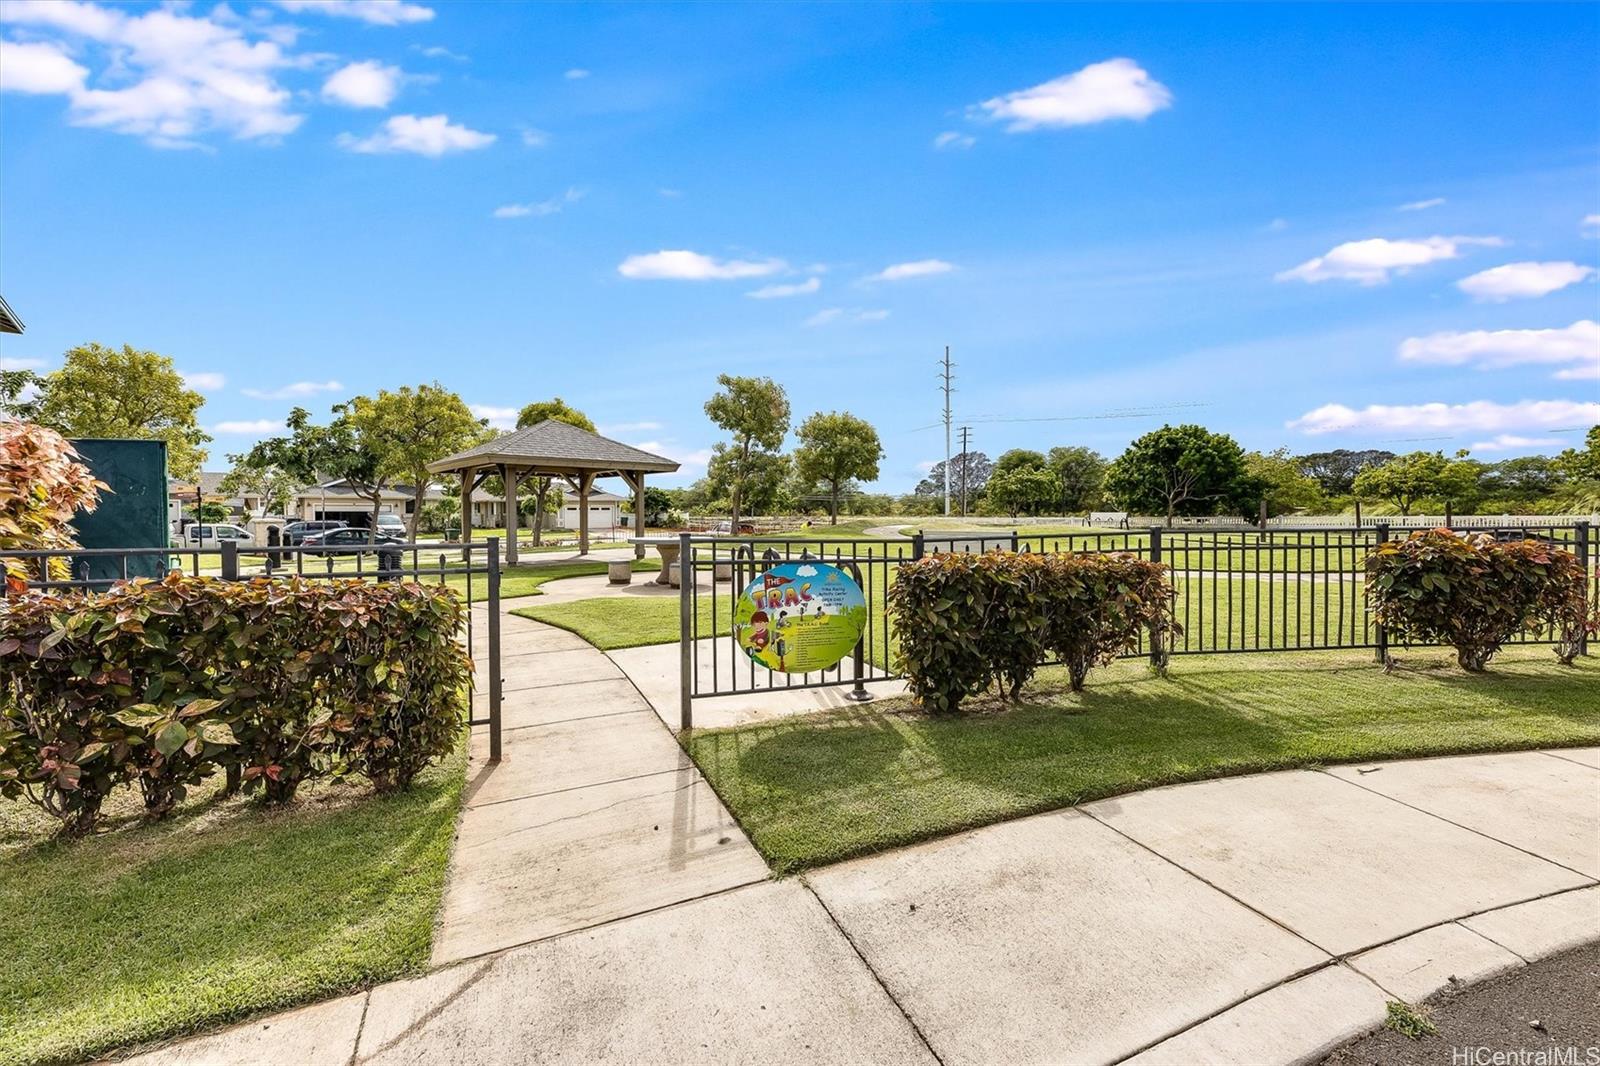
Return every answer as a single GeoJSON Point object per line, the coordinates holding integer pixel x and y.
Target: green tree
{"type": "Point", "coordinates": [756, 412]}
{"type": "Point", "coordinates": [1019, 459]}
{"type": "Point", "coordinates": [19, 395]}
{"type": "Point", "coordinates": [409, 428]}
{"type": "Point", "coordinates": [835, 448]}
{"type": "Point", "coordinates": [1285, 485]}
{"type": "Point", "coordinates": [554, 409]}
{"type": "Point", "coordinates": [310, 453]}
{"type": "Point", "coordinates": [1408, 479]}
{"type": "Point", "coordinates": [1336, 470]}
{"type": "Point", "coordinates": [761, 484]}
{"type": "Point", "coordinates": [103, 392]}
{"type": "Point", "coordinates": [1182, 470]}
{"type": "Point", "coordinates": [276, 487]}
{"type": "Point", "coordinates": [1582, 464]}
{"type": "Point", "coordinates": [1022, 489]}
{"type": "Point", "coordinates": [1514, 484]}
{"type": "Point", "coordinates": [1080, 474]}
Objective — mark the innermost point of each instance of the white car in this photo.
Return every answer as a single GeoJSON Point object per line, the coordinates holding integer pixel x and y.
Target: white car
{"type": "Point", "coordinates": [392, 524]}
{"type": "Point", "coordinates": [208, 533]}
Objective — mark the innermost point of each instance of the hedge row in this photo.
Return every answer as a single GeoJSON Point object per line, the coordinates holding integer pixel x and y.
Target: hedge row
{"type": "Point", "coordinates": [965, 622]}
{"type": "Point", "coordinates": [1474, 593]}
{"type": "Point", "coordinates": [161, 684]}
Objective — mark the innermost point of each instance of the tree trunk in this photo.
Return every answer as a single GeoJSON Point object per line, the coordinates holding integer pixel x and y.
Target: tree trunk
{"type": "Point", "coordinates": [733, 505]}
{"type": "Point", "coordinates": [377, 505]}
{"type": "Point", "coordinates": [833, 505]}
{"type": "Point", "coordinates": [1170, 507]}
{"type": "Point", "coordinates": [416, 506]}
{"type": "Point", "coordinates": [541, 485]}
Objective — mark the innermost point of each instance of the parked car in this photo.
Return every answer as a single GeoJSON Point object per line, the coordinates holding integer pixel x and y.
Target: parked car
{"type": "Point", "coordinates": [392, 524]}
{"type": "Point", "coordinates": [200, 535]}
{"type": "Point", "coordinates": [350, 537]}
{"type": "Point", "coordinates": [296, 532]}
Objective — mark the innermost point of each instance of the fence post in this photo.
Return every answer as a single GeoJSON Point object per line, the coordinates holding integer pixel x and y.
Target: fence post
{"type": "Point", "coordinates": [230, 560]}
{"type": "Point", "coordinates": [1582, 539]}
{"type": "Point", "coordinates": [685, 632]}
{"type": "Point", "coordinates": [1379, 632]}
{"type": "Point", "coordinates": [1014, 542]}
{"type": "Point", "coordinates": [1157, 652]}
{"type": "Point", "coordinates": [916, 545]}
{"type": "Point", "coordinates": [495, 680]}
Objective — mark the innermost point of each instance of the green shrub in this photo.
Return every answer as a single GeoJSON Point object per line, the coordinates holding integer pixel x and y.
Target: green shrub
{"type": "Point", "coordinates": [163, 683]}
{"type": "Point", "coordinates": [965, 622]}
{"type": "Point", "coordinates": [1101, 605]}
{"type": "Point", "coordinates": [1474, 593]}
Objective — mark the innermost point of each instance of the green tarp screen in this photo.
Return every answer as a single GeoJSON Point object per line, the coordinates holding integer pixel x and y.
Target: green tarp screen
{"type": "Point", "coordinates": [132, 515]}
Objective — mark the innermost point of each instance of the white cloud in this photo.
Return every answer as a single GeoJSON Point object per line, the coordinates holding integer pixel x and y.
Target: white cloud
{"type": "Point", "coordinates": [13, 363]}
{"type": "Point", "coordinates": [540, 208]}
{"type": "Point", "coordinates": [295, 391]}
{"type": "Point", "coordinates": [1421, 205]}
{"type": "Point", "coordinates": [365, 84]}
{"type": "Point", "coordinates": [1589, 371]}
{"type": "Point", "coordinates": [498, 417]}
{"type": "Point", "coordinates": [773, 292]}
{"type": "Point", "coordinates": [1100, 92]}
{"type": "Point", "coordinates": [920, 268]}
{"type": "Point", "coordinates": [177, 77]}
{"type": "Point", "coordinates": [256, 426]}
{"type": "Point", "coordinates": [203, 380]}
{"type": "Point", "coordinates": [670, 194]}
{"type": "Point", "coordinates": [952, 139]}
{"type": "Point", "coordinates": [1493, 349]}
{"type": "Point", "coordinates": [38, 68]}
{"type": "Point", "coordinates": [576, 74]}
{"type": "Point", "coordinates": [1277, 225]}
{"type": "Point", "coordinates": [1590, 225]}
{"type": "Point", "coordinates": [439, 51]}
{"type": "Point", "coordinates": [429, 135]}
{"type": "Point", "coordinates": [532, 138]}
{"type": "Point", "coordinates": [1482, 416]}
{"type": "Point", "coordinates": [692, 266]}
{"type": "Point", "coordinates": [829, 315]}
{"type": "Point", "coordinates": [1505, 442]}
{"type": "Point", "coordinates": [377, 12]}
{"type": "Point", "coordinates": [1370, 262]}
{"type": "Point", "coordinates": [1522, 281]}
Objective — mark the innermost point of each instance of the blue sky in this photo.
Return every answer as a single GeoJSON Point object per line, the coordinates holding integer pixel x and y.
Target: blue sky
{"type": "Point", "coordinates": [1344, 226]}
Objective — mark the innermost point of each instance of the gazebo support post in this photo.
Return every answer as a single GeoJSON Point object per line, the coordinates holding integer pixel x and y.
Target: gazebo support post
{"type": "Point", "coordinates": [508, 475]}
{"type": "Point", "coordinates": [466, 512]}
{"type": "Point", "coordinates": [585, 483]}
{"type": "Point", "coordinates": [635, 480]}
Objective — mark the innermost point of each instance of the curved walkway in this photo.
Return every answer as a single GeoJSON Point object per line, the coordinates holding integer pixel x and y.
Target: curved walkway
{"type": "Point", "coordinates": [603, 906]}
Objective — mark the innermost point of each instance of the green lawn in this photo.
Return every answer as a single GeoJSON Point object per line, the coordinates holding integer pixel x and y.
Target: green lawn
{"type": "Point", "coordinates": [226, 909]}
{"type": "Point", "coordinates": [817, 789]}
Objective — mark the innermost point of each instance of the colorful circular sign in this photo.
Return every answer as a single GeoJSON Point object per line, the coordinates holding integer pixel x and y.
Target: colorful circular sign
{"type": "Point", "coordinates": [798, 618]}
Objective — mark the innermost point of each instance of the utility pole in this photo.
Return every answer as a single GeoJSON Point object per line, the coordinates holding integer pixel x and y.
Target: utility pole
{"type": "Point", "coordinates": [946, 377]}
{"type": "Point", "coordinates": [966, 440]}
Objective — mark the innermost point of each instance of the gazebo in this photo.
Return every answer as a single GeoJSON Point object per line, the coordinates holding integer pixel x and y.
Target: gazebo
{"type": "Point", "coordinates": [557, 450]}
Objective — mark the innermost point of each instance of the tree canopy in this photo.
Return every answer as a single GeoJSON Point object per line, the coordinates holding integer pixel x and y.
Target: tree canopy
{"type": "Point", "coordinates": [1336, 470]}
{"type": "Point", "coordinates": [1023, 489]}
{"type": "Point", "coordinates": [1080, 476]}
{"type": "Point", "coordinates": [835, 448]}
{"type": "Point", "coordinates": [554, 409]}
{"type": "Point", "coordinates": [1285, 486]}
{"type": "Point", "coordinates": [1407, 479]}
{"type": "Point", "coordinates": [1185, 470]}
{"type": "Point", "coordinates": [337, 450]}
{"type": "Point", "coordinates": [107, 392]}
{"type": "Point", "coordinates": [409, 428]}
{"type": "Point", "coordinates": [537, 489]}
{"type": "Point", "coordinates": [755, 411]}
{"type": "Point", "coordinates": [972, 468]}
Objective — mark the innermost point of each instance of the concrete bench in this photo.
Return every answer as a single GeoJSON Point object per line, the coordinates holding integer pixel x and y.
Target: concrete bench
{"type": "Point", "coordinates": [620, 571]}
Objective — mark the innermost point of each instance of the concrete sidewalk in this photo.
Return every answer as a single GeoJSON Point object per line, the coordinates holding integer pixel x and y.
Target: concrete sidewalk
{"type": "Point", "coordinates": [603, 907]}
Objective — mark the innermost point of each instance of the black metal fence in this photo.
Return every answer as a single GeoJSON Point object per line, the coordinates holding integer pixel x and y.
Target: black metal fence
{"type": "Point", "coordinates": [473, 570]}
{"type": "Point", "coordinates": [1236, 590]}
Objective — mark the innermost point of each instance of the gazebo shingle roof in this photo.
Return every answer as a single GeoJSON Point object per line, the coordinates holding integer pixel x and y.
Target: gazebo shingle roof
{"type": "Point", "coordinates": [555, 446]}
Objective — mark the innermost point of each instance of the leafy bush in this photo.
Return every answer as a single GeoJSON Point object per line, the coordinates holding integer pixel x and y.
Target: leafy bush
{"type": "Point", "coordinates": [162, 683]}
{"type": "Point", "coordinates": [965, 622]}
{"type": "Point", "coordinates": [1474, 592]}
{"type": "Point", "coordinates": [41, 486]}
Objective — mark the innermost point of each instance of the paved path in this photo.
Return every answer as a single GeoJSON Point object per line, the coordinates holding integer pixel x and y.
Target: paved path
{"type": "Point", "coordinates": [602, 907]}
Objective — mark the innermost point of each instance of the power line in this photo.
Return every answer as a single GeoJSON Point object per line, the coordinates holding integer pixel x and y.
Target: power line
{"type": "Point", "coordinates": [1143, 412]}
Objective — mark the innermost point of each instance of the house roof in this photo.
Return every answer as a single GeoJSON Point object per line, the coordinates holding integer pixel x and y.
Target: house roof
{"type": "Point", "coordinates": [557, 448]}
{"type": "Point", "coordinates": [9, 322]}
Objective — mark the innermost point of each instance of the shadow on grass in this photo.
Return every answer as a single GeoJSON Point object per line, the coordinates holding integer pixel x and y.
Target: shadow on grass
{"type": "Point", "coordinates": [817, 789]}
